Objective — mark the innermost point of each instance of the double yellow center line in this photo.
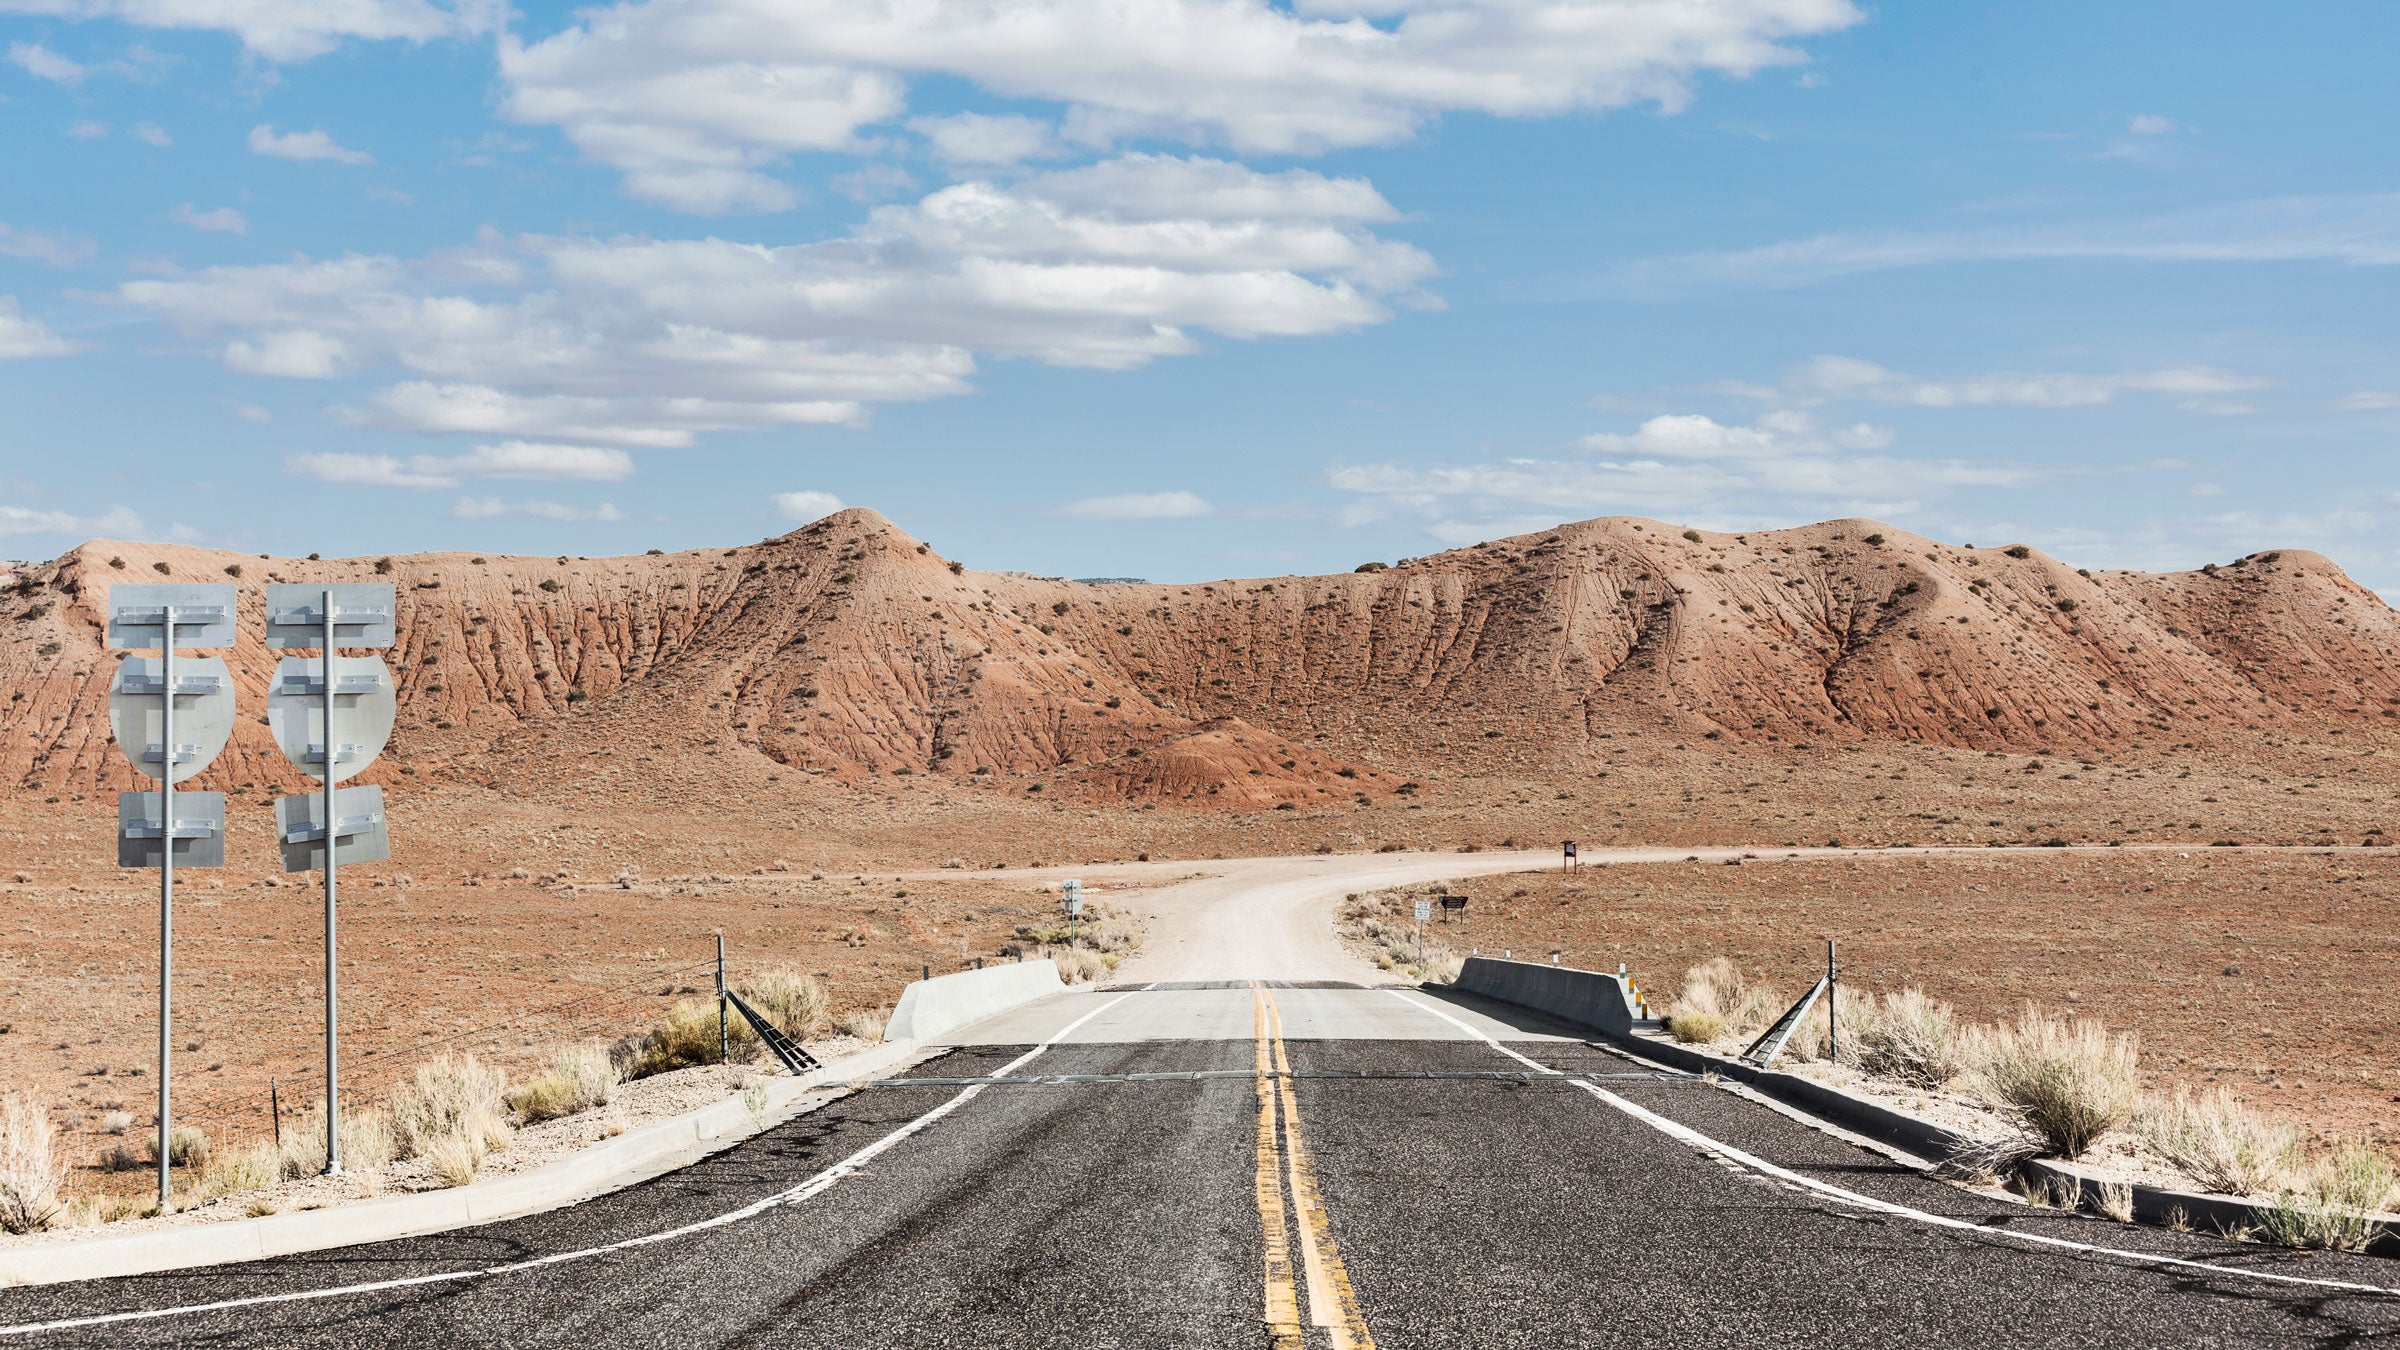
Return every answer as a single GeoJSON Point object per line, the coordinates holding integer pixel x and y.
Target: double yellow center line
{"type": "Point", "coordinates": [1282, 1157]}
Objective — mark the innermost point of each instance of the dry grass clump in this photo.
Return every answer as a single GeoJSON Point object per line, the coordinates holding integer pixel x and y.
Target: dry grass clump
{"type": "Point", "coordinates": [2221, 1143]}
{"type": "Point", "coordinates": [2066, 1082]}
{"type": "Point", "coordinates": [1695, 1028]}
{"type": "Point", "coordinates": [452, 1112]}
{"type": "Point", "coordinates": [577, 1078]}
{"type": "Point", "coordinates": [369, 1142]}
{"type": "Point", "coordinates": [796, 1003]}
{"type": "Point", "coordinates": [1077, 966]}
{"type": "Point", "coordinates": [32, 1172]}
{"type": "Point", "coordinates": [1715, 988]}
{"type": "Point", "coordinates": [865, 1023]}
{"type": "Point", "coordinates": [2333, 1204]}
{"type": "Point", "coordinates": [1853, 1018]}
{"type": "Point", "coordinates": [1914, 1039]}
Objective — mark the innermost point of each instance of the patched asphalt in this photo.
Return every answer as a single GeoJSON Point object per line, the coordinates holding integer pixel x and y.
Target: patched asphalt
{"type": "Point", "coordinates": [1469, 1212]}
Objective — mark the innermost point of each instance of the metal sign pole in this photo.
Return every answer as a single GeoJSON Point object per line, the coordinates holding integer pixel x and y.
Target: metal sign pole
{"type": "Point", "coordinates": [333, 1133]}
{"type": "Point", "coordinates": [166, 899]}
{"type": "Point", "coordinates": [721, 1028]}
{"type": "Point", "coordinates": [1833, 1025]}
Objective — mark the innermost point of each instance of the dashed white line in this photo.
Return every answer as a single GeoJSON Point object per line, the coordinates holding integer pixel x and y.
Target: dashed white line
{"type": "Point", "coordinates": [809, 1189]}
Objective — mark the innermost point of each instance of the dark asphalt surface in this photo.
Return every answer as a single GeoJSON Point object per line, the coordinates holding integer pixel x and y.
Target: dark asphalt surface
{"type": "Point", "coordinates": [1470, 1213]}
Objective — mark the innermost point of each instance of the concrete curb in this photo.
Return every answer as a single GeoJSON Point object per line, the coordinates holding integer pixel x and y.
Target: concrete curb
{"type": "Point", "coordinates": [1933, 1143]}
{"type": "Point", "coordinates": [943, 1004]}
{"type": "Point", "coordinates": [611, 1165]}
{"type": "Point", "coordinates": [1585, 997]}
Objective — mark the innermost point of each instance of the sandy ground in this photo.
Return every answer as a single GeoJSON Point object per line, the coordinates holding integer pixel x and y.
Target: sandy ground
{"type": "Point", "coordinates": [2274, 971]}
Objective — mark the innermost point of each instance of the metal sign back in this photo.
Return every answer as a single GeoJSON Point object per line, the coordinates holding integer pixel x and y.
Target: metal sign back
{"type": "Point", "coordinates": [1454, 902]}
{"type": "Point", "coordinates": [203, 713]}
{"type": "Point", "coordinates": [363, 708]}
{"type": "Point", "coordinates": [199, 835]}
{"type": "Point", "coordinates": [1569, 845]}
{"type": "Point", "coordinates": [359, 828]}
{"type": "Point", "coordinates": [137, 616]}
{"type": "Point", "coordinates": [365, 614]}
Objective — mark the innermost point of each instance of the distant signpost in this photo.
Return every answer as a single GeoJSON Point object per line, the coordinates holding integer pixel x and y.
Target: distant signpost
{"type": "Point", "coordinates": [1451, 904]}
{"type": "Point", "coordinates": [1424, 912]}
{"type": "Point", "coordinates": [171, 719]}
{"type": "Point", "coordinates": [1568, 864]}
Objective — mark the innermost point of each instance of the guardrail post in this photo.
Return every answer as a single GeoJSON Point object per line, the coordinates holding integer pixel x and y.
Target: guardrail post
{"type": "Point", "coordinates": [722, 1046]}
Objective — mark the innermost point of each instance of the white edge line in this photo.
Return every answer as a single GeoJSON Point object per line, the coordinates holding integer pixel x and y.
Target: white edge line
{"type": "Point", "coordinates": [806, 1190]}
{"type": "Point", "coordinates": [1726, 1152]}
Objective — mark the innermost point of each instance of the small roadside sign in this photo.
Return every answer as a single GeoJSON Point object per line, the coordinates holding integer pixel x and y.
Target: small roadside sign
{"type": "Point", "coordinates": [1424, 910]}
{"type": "Point", "coordinates": [1451, 903]}
{"type": "Point", "coordinates": [1568, 848]}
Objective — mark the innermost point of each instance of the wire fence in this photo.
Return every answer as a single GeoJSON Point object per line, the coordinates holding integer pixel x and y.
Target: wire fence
{"type": "Point", "coordinates": [250, 1115]}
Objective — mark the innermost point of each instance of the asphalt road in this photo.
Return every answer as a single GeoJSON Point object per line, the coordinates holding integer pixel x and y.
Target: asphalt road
{"type": "Point", "coordinates": [1398, 1176]}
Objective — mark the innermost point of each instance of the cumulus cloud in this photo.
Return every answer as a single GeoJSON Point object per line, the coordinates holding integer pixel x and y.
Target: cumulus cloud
{"type": "Point", "coordinates": [283, 32]}
{"type": "Point", "coordinates": [22, 338]}
{"type": "Point", "coordinates": [1843, 377]}
{"type": "Point", "coordinates": [58, 250]}
{"type": "Point", "coordinates": [88, 131]}
{"type": "Point", "coordinates": [303, 145]}
{"type": "Point", "coordinates": [1139, 506]}
{"type": "Point", "coordinates": [44, 64]}
{"type": "Point", "coordinates": [222, 220]}
{"type": "Point", "coordinates": [1678, 466]}
{"type": "Point", "coordinates": [2358, 230]}
{"type": "Point", "coordinates": [150, 133]}
{"type": "Point", "coordinates": [806, 506]}
{"type": "Point", "coordinates": [2151, 124]}
{"type": "Point", "coordinates": [485, 508]}
{"type": "Point", "coordinates": [636, 341]}
{"type": "Point", "coordinates": [521, 460]}
{"type": "Point", "coordinates": [694, 100]}
{"type": "Point", "coordinates": [978, 139]}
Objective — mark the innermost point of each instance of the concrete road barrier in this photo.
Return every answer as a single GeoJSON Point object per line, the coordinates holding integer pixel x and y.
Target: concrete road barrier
{"type": "Point", "coordinates": [1586, 997]}
{"type": "Point", "coordinates": [943, 1004]}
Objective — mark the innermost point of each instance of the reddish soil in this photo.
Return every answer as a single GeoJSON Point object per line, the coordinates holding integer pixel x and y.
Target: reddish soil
{"type": "Point", "coordinates": [2276, 972]}
{"type": "Point", "coordinates": [846, 699]}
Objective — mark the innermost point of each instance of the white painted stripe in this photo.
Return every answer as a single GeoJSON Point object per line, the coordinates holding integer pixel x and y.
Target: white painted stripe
{"type": "Point", "coordinates": [1728, 1154]}
{"type": "Point", "coordinates": [806, 1190]}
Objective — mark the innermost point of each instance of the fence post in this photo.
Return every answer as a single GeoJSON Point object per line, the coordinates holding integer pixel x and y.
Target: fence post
{"type": "Point", "coordinates": [721, 1039]}
{"type": "Point", "coordinates": [275, 1107]}
{"type": "Point", "coordinates": [1833, 1024]}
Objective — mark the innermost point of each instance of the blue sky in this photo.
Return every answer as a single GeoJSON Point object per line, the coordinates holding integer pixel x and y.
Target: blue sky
{"type": "Point", "coordinates": [1191, 288]}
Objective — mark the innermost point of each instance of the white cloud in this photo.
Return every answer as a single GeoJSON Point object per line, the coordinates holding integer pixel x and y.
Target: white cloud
{"type": "Point", "coordinates": [283, 31]}
{"type": "Point", "coordinates": [58, 250]}
{"type": "Point", "coordinates": [22, 338]}
{"type": "Point", "coordinates": [520, 460]}
{"type": "Point", "coordinates": [874, 183]}
{"type": "Point", "coordinates": [1839, 377]}
{"type": "Point", "coordinates": [88, 131]}
{"type": "Point", "coordinates": [1681, 466]}
{"type": "Point", "coordinates": [223, 220]}
{"type": "Point", "coordinates": [695, 100]}
{"type": "Point", "coordinates": [975, 139]}
{"type": "Point", "coordinates": [2205, 490]}
{"type": "Point", "coordinates": [303, 145]}
{"type": "Point", "coordinates": [485, 508]}
{"type": "Point", "coordinates": [634, 341]}
{"type": "Point", "coordinates": [2359, 230]}
{"type": "Point", "coordinates": [150, 133]}
{"type": "Point", "coordinates": [249, 412]}
{"type": "Point", "coordinates": [44, 64]}
{"type": "Point", "coordinates": [1139, 506]}
{"type": "Point", "coordinates": [2369, 400]}
{"type": "Point", "coordinates": [115, 523]}
{"type": "Point", "coordinates": [2151, 124]}
{"type": "Point", "coordinates": [806, 506]}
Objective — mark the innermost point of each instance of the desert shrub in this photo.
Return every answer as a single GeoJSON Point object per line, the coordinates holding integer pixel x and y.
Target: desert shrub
{"type": "Point", "coordinates": [2066, 1082]}
{"type": "Point", "coordinates": [31, 1170]}
{"type": "Point", "coordinates": [440, 1097]}
{"type": "Point", "coordinates": [1914, 1039]}
{"type": "Point", "coordinates": [686, 1036]}
{"type": "Point", "coordinates": [1077, 966]}
{"type": "Point", "coordinates": [245, 1169]}
{"type": "Point", "coordinates": [1443, 967]}
{"type": "Point", "coordinates": [454, 1160]}
{"type": "Point", "coordinates": [2219, 1141]}
{"type": "Point", "coordinates": [865, 1023]}
{"type": "Point", "coordinates": [2334, 1204]}
{"type": "Point", "coordinates": [577, 1078]}
{"type": "Point", "coordinates": [797, 1004]}
{"type": "Point", "coordinates": [1712, 987]}
{"type": "Point", "coordinates": [1853, 1018]}
{"type": "Point", "coordinates": [186, 1147]}
{"type": "Point", "coordinates": [1695, 1028]}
